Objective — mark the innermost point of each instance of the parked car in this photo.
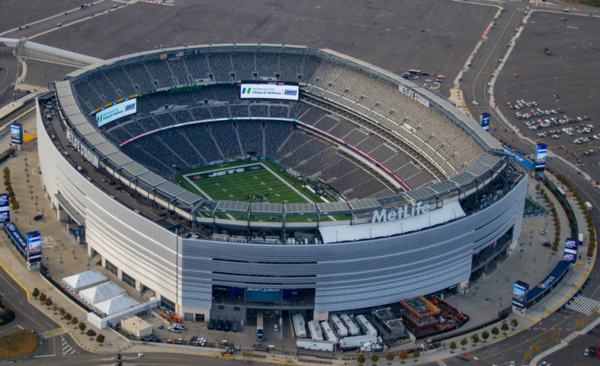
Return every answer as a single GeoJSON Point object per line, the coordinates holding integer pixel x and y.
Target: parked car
{"type": "Point", "coordinates": [173, 329]}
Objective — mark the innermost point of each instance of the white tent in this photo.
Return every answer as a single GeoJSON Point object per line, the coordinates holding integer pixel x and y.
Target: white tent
{"type": "Point", "coordinates": [85, 280]}
{"type": "Point", "coordinates": [115, 305]}
{"type": "Point", "coordinates": [101, 293]}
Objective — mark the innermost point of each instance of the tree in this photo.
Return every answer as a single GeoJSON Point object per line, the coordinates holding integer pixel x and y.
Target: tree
{"type": "Point", "coordinates": [555, 336]}
{"type": "Point", "coordinates": [514, 323]}
{"type": "Point", "coordinates": [42, 297]}
{"type": "Point", "coordinates": [527, 355]}
{"type": "Point", "coordinates": [35, 292]}
{"type": "Point", "coordinates": [535, 347]}
{"type": "Point", "coordinates": [417, 354]}
{"type": "Point", "coordinates": [485, 335]}
{"type": "Point", "coordinates": [495, 331]}
{"type": "Point", "coordinates": [100, 338]}
{"type": "Point", "coordinates": [403, 356]}
{"type": "Point", "coordinates": [374, 358]}
{"type": "Point", "coordinates": [544, 342]}
{"type": "Point", "coordinates": [504, 327]}
{"type": "Point", "coordinates": [48, 302]}
{"type": "Point", "coordinates": [389, 357]}
{"type": "Point", "coordinates": [475, 338]}
{"type": "Point", "coordinates": [90, 333]}
{"type": "Point", "coordinates": [82, 327]}
{"type": "Point", "coordinates": [15, 206]}
{"type": "Point", "coordinates": [62, 311]}
{"type": "Point", "coordinates": [74, 321]}
{"type": "Point", "coordinates": [464, 342]}
{"type": "Point", "coordinates": [68, 316]}
{"type": "Point", "coordinates": [452, 347]}
{"type": "Point", "coordinates": [9, 313]}
{"type": "Point", "coordinates": [361, 359]}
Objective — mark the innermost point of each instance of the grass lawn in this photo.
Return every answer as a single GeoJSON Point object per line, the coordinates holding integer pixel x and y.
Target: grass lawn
{"type": "Point", "coordinates": [250, 182]}
{"type": "Point", "coordinates": [22, 343]}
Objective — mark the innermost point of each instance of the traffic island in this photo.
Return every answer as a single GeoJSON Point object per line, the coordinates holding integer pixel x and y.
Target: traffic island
{"type": "Point", "coordinates": [19, 344]}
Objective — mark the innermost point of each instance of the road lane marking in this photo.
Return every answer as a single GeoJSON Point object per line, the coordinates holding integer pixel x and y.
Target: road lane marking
{"type": "Point", "coordinates": [8, 283]}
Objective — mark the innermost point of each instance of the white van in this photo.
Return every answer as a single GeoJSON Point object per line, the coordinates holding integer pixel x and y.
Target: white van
{"type": "Point", "coordinates": [589, 206]}
{"type": "Point", "coordinates": [561, 192]}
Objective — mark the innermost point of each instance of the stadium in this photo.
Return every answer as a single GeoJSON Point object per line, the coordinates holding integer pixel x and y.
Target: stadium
{"type": "Point", "coordinates": [240, 177]}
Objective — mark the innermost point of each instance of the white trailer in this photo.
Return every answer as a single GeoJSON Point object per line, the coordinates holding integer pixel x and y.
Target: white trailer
{"type": "Point", "coordinates": [366, 325]}
{"type": "Point", "coordinates": [352, 328]}
{"type": "Point", "coordinates": [299, 325]}
{"type": "Point", "coordinates": [337, 325]}
{"type": "Point", "coordinates": [315, 345]}
{"type": "Point", "coordinates": [315, 330]}
{"type": "Point", "coordinates": [328, 332]}
{"type": "Point", "coordinates": [356, 342]}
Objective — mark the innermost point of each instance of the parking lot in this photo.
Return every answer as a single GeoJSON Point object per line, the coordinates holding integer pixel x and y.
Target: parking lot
{"type": "Point", "coordinates": [561, 79]}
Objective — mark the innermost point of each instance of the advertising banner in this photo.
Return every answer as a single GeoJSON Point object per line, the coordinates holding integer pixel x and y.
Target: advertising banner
{"type": "Point", "coordinates": [4, 208]}
{"type": "Point", "coordinates": [521, 160]}
{"type": "Point", "coordinates": [16, 133]}
{"type": "Point", "coordinates": [571, 244]}
{"type": "Point", "coordinates": [520, 290]}
{"type": "Point", "coordinates": [540, 156]}
{"type": "Point", "coordinates": [115, 112]}
{"type": "Point", "coordinates": [484, 121]}
{"type": "Point", "coordinates": [263, 294]}
{"type": "Point", "coordinates": [269, 91]}
{"type": "Point", "coordinates": [34, 245]}
{"type": "Point", "coordinates": [570, 255]}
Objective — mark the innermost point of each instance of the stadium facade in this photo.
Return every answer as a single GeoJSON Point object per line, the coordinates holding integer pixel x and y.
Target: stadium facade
{"type": "Point", "coordinates": [426, 236]}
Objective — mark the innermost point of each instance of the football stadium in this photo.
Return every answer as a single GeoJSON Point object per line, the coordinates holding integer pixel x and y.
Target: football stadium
{"type": "Point", "coordinates": [245, 177]}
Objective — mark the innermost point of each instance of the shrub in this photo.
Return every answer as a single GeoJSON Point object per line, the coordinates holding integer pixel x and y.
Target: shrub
{"type": "Point", "coordinates": [485, 335]}
{"type": "Point", "coordinates": [403, 355]}
{"type": "Point", "coordinates": [453, 346]}
{"type": "Point", "coordinates": [505, 327]}
{"type": "Point", "coordinates": [82, 327]}
{"type": "Point", "coordinates": [100, 338]}
{"type": "Point", "coordinates": [68, 316]}
{"type": "Point", "coordinates": [42, 297]}
{"type": "Point", "coordinates": [514, 323]}
{"type": "Point", "coordinates": [417, 354]}
{"type": "Point", "coordinates": [495, 331]}
{"type": "Point", "coordinates": [74, 321]}
{"type": "Point", "coordinates": [62, 311]}
{"type": "Point", "coordinates": [374, 358]}
{"type": "Point", "coordinates": [361, 359]}
{"type": "Point", "coordinates": [35, 292]}
{"type": "Point", "coordinates": [389, 357]}
{"type": "Point", "coordinates": [48, 302]}
{"type": "Point", "coordinates": [90, 333]}
{"type": "Point", "coordinates": [464, 342]}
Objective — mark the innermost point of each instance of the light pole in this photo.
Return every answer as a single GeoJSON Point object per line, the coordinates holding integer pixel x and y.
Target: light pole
{"type": "Point", "coordinates": [571, 63]}
{"type": "Point", "coordinates": [8, 341]}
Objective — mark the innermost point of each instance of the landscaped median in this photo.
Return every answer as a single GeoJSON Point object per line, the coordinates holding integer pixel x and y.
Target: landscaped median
{"type": "Point", "coordinates": [19, 344]}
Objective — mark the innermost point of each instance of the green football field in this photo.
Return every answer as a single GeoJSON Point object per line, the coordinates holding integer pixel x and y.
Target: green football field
{"type": "Point", "coordinates": [248, 183]}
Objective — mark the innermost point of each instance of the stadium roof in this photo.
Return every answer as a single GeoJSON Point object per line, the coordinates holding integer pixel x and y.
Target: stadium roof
{"type": "Point", "coordinates": [300, 208]}
{"type": "Point", "coordinates": [266, 207]}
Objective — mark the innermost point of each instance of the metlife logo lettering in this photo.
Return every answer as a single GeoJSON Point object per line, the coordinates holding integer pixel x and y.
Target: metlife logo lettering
{"type": "Point", "coordinates": [269, 91]}
{"type": "Point", "coordinates": [402, 213]}
{"type": "Point", "coordinates": [412, 94]}
{"type": "Point", "coordinates": [258, 289]}
{"type": "Point", "coordinates": [83, 149]}
{"type": "Point", "coordinates": [226, 172]}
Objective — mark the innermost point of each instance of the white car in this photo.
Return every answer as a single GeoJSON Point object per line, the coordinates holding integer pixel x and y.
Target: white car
{"type": "Point", "coordinates": [173, 329]}
{"type": "Point", "coordinates": [586, 353]}
{"type": "Point", "coordinates": [475, 102]}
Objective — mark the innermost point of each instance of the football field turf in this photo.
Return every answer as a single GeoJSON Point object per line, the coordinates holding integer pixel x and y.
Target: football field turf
{"type": "Point", "coordinates": [248, 183]}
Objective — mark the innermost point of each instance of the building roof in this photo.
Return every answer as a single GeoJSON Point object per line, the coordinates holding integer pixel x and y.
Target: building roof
{"type": "Point", "coordinates": [139, 323]}
{"type": "Point", "coordinates": [115, 304]}
{"type": "Point", "coordinates": [101, 293]}
{"type": "Point", "coordinates": [85, 279]}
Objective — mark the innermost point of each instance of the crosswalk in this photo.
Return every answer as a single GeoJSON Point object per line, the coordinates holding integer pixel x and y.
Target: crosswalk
{"type": "Point", "coordinates": [441, 363]}
{"type": "Point", "coordinates": [67, 349]}
{"type": "Point", "coordinates": [570, 337]}
{"type": "Point", "coordinates": [584, 305]}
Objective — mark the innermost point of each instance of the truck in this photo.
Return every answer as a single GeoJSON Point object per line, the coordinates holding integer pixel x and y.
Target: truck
{"type": "Point", "coordinates": [329, 334]}
{"type": "Point", "coordinates": [299, 325]}
{"type": "Point", "coordinates": [588, 206]}
{"type": "Point", "coordinates": [336, 324]}
{"type": "Point", "coordinates": [356, 342]}
{"type": "Point", "coordinates": [371, 347]}
{"type": "Point", "coordinates": [315, 345]}
{"type": "Point", "coordinates": [352, 328]}
{"type": "Point", "coordinates": [366, 325]}
{"type": "Point", "coordinates": [547, 51]}
{"type": "Point", "coordinates": [315, 330]}
{"type": "Point", "coordinates": [259, 325]}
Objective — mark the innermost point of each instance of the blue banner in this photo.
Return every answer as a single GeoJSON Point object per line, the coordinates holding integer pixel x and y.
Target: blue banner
{"type": "Point", "coordinates": [526, 163]}
{"type": "Point", "coordinates": [16, 236]}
